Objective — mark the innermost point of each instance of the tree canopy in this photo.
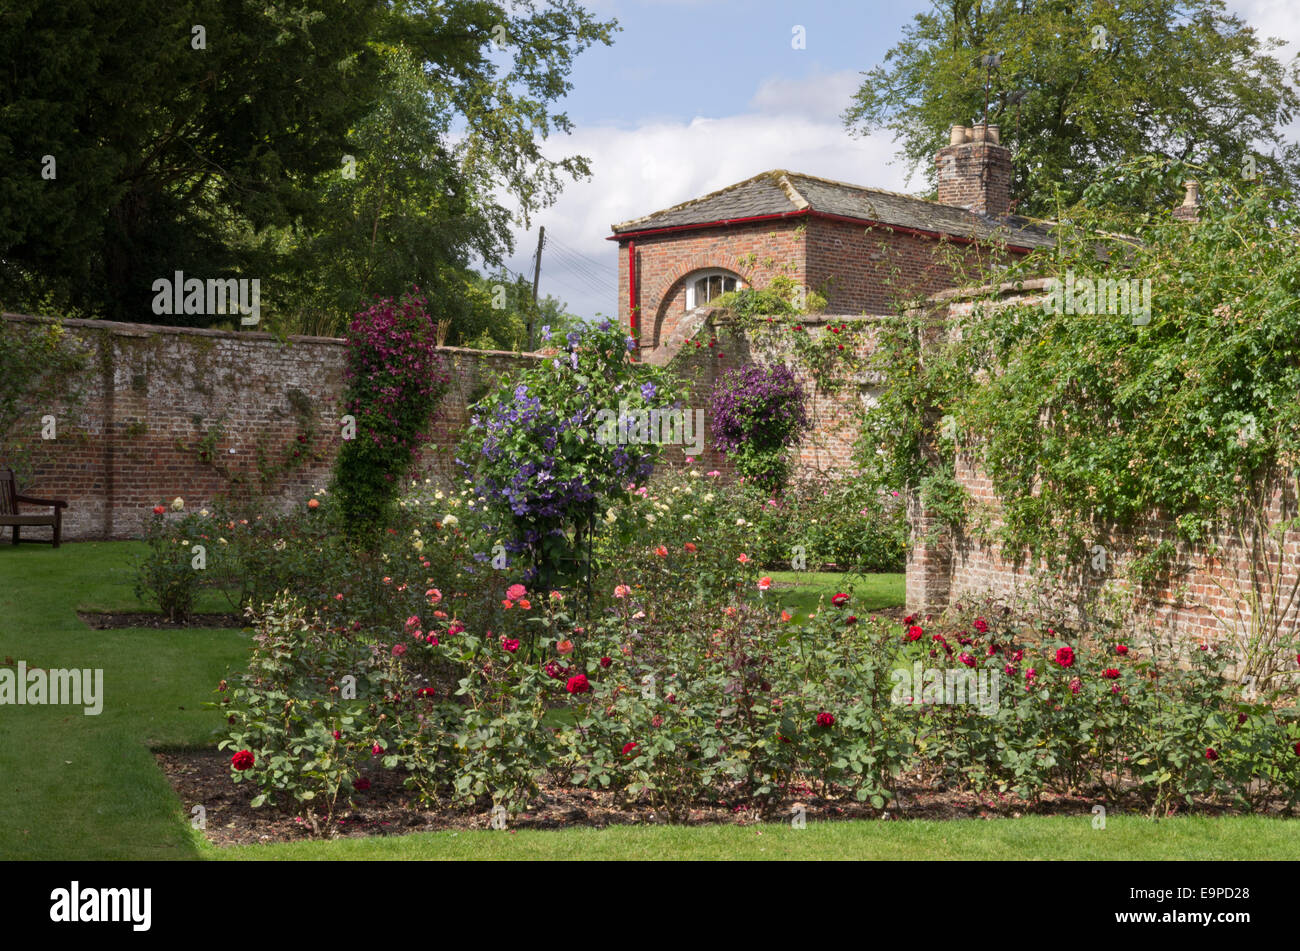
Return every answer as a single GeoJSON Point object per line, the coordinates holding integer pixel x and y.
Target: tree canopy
{"type": "Point", "coordinates": [335, 150]}
{"type": "Point", "coordinates": [1083, 85]}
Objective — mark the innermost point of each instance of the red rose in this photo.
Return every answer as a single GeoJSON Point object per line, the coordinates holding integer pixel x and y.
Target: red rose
{"type": "Point", "coordinates": [1297, 749]}
{"type": "Point", "coordinates": [425, 692]}
{"type": "Point", "coordinates": [242, 760]}
{"type": "Point", "coordinates": [337, 735]}
{"type": "Point", "coordinates": [628, 748]}
{"type": "Point", "coordinates": [981, 625]}
{"type": "Point", "coordinates": [1110, 673]}
{"type": "Point", "coordinates": [1211, 755]}
{"type": "Point", "coordinates": [159, 510]}
{"type": "Point", "coordinates": [577, 684]}
{"type": "Point", "coordinates": [376, 750]}
{"type": "Point", "coordinates": [1121, 649]}
{"type": "Point", "coordinates": [689, 547]}
{"type": "Point", "coordinates": [840, 599]}
{"type": "Point", "coordinates": [606, 661]}
{"type": "Point", "coordinates": [915, 633]}
{"type": "Point", "coordinates": [851, 619]}
{"type": "Point", "coordinates": [509, 644]}
{"type": "Point", "coordinates": [825, 719]}
{"type": "Point", "coordinates": [361, 784]}
{"type": "Point", "coordinates": [966, 659]}
{"type": "Point", "coordinates": [1065, 657]}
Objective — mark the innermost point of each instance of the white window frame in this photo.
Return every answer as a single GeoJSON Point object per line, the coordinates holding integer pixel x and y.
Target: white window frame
{"type": "Point", "coordinates": [696, 276]}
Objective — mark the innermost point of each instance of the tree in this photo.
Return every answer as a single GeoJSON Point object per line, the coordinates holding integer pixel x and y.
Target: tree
{"type": "Point", "coordinates": [1104, 81]}
{"type": "Point", "coordinates": [211, 137]}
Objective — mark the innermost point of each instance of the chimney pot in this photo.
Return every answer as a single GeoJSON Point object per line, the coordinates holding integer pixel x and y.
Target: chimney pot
{"type": "Point", "coordinates": [958, 135]}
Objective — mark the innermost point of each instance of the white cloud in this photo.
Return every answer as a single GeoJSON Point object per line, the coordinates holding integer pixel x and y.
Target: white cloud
{"type": "Point", "coordinates": [822, 96]}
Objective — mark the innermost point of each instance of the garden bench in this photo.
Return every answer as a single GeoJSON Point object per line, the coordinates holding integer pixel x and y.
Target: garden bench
{"type": "Point", "coordinates": [9, 514]}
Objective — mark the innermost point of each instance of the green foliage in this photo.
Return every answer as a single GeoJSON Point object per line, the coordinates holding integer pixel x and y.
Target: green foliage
{"type": "Point", "coordinates": [1104, 81]}
{"type": "Point", "coordinates": [554, 444]}
{"type": "Point", "coordinates": [230, 157]}
{"type": "Point", "coordinates": [394, 381]}
{"type": "Point", "coordinates": [1086, 419]}
{"type": "Point", "coordinates": [40, 371]}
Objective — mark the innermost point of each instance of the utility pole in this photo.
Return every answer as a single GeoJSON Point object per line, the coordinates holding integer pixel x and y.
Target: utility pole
{"type": "Point", "coordinates": [537, 273]}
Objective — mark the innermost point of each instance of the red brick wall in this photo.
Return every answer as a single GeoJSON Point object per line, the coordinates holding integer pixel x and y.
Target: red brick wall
{"type": "Point", "coordinates": [152, 393]}
{"type": "Point", "coordinates": [1203, 592]}
{"type": "Point", "coordinates": [756, 252]}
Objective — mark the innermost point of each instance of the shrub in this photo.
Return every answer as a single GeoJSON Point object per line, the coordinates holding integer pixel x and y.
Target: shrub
{"type": "Point", "coordinates": [550, 447]}
{"type": "Point", "coordinates": [757, 415]}
{"type": "Point", "coordinates": [394, 379]}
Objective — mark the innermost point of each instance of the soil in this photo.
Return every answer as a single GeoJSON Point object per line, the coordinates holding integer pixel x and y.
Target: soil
{"type": "Point", "coordinates": [108, 620]}
{"type": "Point", "coordinates": [389, 808]}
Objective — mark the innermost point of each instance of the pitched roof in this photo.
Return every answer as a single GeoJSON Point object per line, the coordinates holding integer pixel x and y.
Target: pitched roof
{"type": "Point", "coordinates": [779, 192]}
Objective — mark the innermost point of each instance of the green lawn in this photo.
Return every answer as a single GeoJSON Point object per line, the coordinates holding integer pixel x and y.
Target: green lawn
{"type": "Point", "coordinates": [870, 592]}
{"type": "Point", "coordinates": [79, 787]}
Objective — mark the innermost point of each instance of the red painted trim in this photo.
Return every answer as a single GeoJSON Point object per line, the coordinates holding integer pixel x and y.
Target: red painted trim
{"type": "Point", "coordinates": [632, 315]}
{"type": "Point", "coordinates": [811, 213]}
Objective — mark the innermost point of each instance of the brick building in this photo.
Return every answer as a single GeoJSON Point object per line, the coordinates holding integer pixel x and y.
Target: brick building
{"type": "Point", "coordinates": [843, 241]}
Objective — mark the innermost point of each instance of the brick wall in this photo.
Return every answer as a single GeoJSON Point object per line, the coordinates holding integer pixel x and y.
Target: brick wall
{"type": "Point", "coordinates": [756, 252]}
{"type": "Point", "coordinates": [1206, 597]}
{"type": "Point", "coordinates": [189, 412]}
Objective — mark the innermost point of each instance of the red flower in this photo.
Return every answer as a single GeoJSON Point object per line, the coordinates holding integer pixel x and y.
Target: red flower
{"type": "Point", "coordinates": [242, 760]}
{"type": "Point", "coordinates": [606, 661]}
{"type": "Point", "coordinates": [509, 644]}
{"type": "Point", "coordinates": [425, 692]}
{"type": "Point", "coordinates": [689, 547]}
{"type": "Point", "coordinates": [628, 748]}
{"type": "Point", "coordinates": [1110, 673]}
{"type": "Point", "coordinates": [1076, 685]}
{"type": "Point", "coordinates": [825, 719]}
{"type": "Point", "coordinates": [1297, 749]}
{"type": "Point", "coordinates": [966, 659]}
{"type": "Point", "coordinates": [1210, 754]}
{"type": "Point", "coordinates": [159, 509]}
{"type": "Point", "coordinates": [1065, 656]}
{"type": "Point", "coordinates": [840, 599]}
{"type": "Point", "coordinates": [981, 625]}
{"type": "Point", "coordinates": [577, 684]}
{"type": "Point", "coordinates": [914, 633]}
{"type": "Point", "coordinates": [361, 784]}
{"type": "Point", "coordinates": [851, 619]}
{"type": "Point", "coordinates": [1121, 649]}
{"type": "Point", "coordinates": [661, 551]}
{"type": "Point", "coordinates": [337, 735]}
{"type": "Point", "coordinates": [376, 750]}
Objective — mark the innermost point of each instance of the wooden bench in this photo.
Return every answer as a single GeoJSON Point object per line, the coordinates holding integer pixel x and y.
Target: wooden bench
{"type": "Point", "coordinates": [9, 514]}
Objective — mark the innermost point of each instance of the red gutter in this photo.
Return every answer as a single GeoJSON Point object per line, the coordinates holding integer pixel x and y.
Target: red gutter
{"type": "Point", "coordinates": [631, 292]}
{"type": "Point", "coordinates": [808, 212]}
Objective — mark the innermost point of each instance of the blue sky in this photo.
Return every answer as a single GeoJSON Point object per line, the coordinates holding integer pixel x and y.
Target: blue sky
{"type": "Point", "coordinates": [695, 95]}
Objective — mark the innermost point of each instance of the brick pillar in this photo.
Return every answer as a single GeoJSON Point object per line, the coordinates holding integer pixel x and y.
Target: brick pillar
{"type": "Point", "coordinates": [974, 171]}
{"type": "Point", "coordinates": [929, 560]}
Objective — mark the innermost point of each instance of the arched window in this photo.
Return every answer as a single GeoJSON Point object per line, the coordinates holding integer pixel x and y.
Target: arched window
{"type": "Point", "coordinates": [704, 286]}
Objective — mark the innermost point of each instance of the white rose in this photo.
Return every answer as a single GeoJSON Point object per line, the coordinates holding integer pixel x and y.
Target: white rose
{"type": "Point", "coordinates": [450, 521]}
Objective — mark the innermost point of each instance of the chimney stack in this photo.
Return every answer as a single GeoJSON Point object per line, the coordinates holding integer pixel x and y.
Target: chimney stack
{"type": "Point", "coordinates": [1190, 209]}
{"type": "Point", "coordinates": [974, 171]}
